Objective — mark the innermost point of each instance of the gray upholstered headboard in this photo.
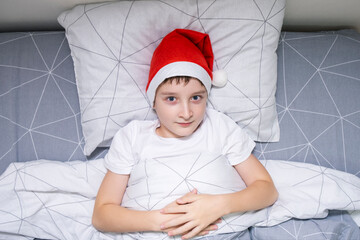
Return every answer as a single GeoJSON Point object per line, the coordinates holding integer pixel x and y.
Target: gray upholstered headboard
{"type": "Point", "coordinates": [304, 15]}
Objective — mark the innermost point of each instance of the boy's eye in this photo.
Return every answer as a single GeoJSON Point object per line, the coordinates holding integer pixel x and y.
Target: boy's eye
{"type": "Point", "coordinates": [196, 98]}
{"type": "Point", "coordinates": [171, 99]}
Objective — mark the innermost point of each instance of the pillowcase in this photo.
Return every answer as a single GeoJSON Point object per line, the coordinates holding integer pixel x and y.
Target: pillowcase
{"type": "Point", "coordinates": [112, 44]}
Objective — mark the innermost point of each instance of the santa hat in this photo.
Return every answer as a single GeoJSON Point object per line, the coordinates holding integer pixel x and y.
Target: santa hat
{"type": "Point", "coordinates": [184, 53]}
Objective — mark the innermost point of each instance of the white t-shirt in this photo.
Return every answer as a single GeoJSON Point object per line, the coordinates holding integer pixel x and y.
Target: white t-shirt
{"type": "Point", "coordinates": [164, 169]}
{"type": "Point", "coordinates": [217, 134]}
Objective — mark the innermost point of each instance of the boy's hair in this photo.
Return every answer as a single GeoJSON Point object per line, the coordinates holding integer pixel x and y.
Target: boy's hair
{"type": "Point", "coordinates": [178, 79]}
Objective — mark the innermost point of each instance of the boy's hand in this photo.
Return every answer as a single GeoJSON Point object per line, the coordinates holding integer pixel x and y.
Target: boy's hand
{"type": "Point", "coordinates": [198, 215]}
{"type": "Point", "coordinates": [162, 217]}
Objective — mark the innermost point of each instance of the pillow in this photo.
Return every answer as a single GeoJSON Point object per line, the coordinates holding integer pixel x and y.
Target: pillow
{"type": "Point", "coordinates": [112, 44]}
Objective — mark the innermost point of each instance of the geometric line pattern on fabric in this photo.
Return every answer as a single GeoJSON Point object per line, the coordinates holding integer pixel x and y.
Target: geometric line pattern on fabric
{"type": "Point", "coordinates": [39, 132]}
{"type": "Point", "coordinates": [112, 91]}
{"type": "Point", "coordinates": [335, 226]}
{"type": "Point", "coordinates": [323, 132]}
{"type": "Point", "coordinates": [51, 199]}
{"type": "Point", "coordinates": [39, 112]}
{"type": "Point", "coordinates": [317, 99]}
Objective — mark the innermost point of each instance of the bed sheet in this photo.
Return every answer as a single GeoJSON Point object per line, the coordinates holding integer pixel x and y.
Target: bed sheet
{"type": "Point", "coordinates": [318, 79]}
{"type": "Point", "coordinates": [338, 225]}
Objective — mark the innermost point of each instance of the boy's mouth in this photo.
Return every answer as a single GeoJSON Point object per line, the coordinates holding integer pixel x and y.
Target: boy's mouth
{"type": "Point", "coordinates": [186, 124]}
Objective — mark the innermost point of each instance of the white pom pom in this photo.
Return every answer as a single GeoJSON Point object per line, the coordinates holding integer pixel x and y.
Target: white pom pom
{"type": "Point", "coordinates": [219, 78]}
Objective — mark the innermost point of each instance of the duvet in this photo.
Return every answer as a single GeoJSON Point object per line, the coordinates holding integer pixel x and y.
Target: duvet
{"type": "Point", "coordinates": [54, 200]}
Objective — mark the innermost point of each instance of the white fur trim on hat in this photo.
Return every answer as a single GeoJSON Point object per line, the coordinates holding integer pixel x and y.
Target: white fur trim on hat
{"type": "Point", "coordinates": [178, 69]}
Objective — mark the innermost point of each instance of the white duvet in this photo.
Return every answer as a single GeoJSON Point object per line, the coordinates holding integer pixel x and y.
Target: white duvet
{"type": "Point", "coordinates": [50, 199]}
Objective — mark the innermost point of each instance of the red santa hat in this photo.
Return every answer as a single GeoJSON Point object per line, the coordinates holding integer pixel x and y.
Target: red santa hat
{"type": "Point", "coordinates": [184, 53]}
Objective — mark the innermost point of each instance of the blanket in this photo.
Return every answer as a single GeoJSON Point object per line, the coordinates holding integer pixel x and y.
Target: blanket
{"type": "Point", "coordinates": [54, 200]}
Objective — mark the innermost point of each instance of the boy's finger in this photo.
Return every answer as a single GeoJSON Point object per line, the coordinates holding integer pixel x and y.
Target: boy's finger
{"type": "Point", "coordinates": [187, 229]}
{"type": "Point", "coordinates": [175, 209]}
{"type": "Point", "coordinates": [195, 231]}
{"type": "Point", "coordinates": [218, 221]}
{"type": "Point", "coordinates": [188, 198]}
{"type": "Point", "coordinates": [203, 233]}
{"type": "Point", "coordinates": [174, 223]}
{"type": "Point", "coordinates": [211, 227]}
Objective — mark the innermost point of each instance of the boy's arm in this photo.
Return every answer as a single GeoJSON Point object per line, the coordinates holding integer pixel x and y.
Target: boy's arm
{"type": "Point", "coordinates": [201, 209]}
{"type": "Point", "coordinates": [260, 191]}
{"type": "Point", "coordinates": [109, 216]}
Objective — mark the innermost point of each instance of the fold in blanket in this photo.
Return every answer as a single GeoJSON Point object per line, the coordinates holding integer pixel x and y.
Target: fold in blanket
{"type": "Point", "coordinates": [50, 199]}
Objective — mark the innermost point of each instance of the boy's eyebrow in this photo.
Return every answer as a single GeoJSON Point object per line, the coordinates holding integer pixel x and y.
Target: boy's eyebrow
{"type": "Point", "coordinates": [167, 93]}
{"type": "Point", "coordinates": [200, 92]}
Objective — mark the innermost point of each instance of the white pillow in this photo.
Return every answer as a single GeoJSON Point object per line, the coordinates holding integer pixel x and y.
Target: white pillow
{"type": "Point", "coordinates": [112, 44]}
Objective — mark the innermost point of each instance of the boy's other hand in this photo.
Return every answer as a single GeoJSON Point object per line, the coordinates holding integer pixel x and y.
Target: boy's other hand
{"type": "Point", "coordinates": [198, 214]}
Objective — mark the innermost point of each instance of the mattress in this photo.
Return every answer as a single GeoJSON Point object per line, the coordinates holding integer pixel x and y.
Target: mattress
{"type": "Point", "coordinates": [317, 103]}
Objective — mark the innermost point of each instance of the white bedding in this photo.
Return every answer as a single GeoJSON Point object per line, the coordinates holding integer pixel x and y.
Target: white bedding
{"type": "Point", "coordinates": [50, 199]}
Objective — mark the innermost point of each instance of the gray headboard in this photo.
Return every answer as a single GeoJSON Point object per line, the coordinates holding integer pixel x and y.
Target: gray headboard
{"type": "Point", "coordinates": [304, 15]}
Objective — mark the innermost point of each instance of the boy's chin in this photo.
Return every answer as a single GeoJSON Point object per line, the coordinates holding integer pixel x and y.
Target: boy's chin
{"type": "Point", "coordinates": [182, 133]}
{"type": "Point", "coordinates": [185, 133]}
{"type": "Point", "coordinates": [177, 131]}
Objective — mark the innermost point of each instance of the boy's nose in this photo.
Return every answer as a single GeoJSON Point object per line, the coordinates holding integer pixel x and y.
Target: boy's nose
{"type": "Point", "coordinates": [186, 111]}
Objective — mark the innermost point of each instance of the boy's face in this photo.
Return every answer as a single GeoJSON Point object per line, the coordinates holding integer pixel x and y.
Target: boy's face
{"type": "Point", "coordinates": [180, 108]}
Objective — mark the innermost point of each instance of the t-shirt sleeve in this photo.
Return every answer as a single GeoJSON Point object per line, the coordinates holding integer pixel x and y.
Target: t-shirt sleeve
{"type": "Point", "coordinates": [119, 158]}
{"type": "Point", "coordinates": [237, 145]}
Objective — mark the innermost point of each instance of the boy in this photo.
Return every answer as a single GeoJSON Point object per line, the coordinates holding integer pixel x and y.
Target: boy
{"type": "Point", "coordinates": [140, 192]}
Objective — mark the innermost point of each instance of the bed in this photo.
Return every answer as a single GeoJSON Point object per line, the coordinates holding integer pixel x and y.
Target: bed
{"type": "Point", "coordinates": [57, 121]}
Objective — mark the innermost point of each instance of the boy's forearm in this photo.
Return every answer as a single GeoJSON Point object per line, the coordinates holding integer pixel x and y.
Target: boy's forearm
{"type": "Point", "coordinates": [113, 218]}
{"type": "Point", "coordinates": [258, 195]}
